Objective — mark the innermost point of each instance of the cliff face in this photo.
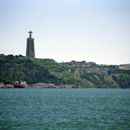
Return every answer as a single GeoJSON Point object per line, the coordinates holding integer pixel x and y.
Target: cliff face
{"type": "Point", "coordinates": [77, 74]}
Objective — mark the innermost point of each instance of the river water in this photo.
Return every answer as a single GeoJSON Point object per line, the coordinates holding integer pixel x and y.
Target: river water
{"type": "Point", "coordinates": [64, 109]}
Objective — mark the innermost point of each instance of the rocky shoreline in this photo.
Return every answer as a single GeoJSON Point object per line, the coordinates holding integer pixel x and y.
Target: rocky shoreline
{"type": "Point", "coordinates": [23, 84]}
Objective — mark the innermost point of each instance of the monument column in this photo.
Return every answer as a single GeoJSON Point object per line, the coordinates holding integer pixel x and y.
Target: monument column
{"type": "Point", "coordinates": [30, 50]}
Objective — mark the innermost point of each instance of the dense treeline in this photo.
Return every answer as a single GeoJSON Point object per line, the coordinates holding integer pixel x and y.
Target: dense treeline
{"type": "Point", "coordinates": [13, 68]}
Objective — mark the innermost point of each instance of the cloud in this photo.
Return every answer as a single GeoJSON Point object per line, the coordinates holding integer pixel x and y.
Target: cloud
{"type": "Point", "coordinates": [74, 3]}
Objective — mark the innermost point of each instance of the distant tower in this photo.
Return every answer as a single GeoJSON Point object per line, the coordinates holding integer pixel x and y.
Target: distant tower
{"type": "Point", "coordinates": [30, 51]}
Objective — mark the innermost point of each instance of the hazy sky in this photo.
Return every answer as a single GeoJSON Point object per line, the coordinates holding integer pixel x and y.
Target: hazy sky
{"type": "Point", "coordinates": [65, 30]}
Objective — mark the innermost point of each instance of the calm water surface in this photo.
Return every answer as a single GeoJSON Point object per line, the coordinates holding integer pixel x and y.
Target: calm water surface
{"type": "Point", "coordinates": [64, 109]}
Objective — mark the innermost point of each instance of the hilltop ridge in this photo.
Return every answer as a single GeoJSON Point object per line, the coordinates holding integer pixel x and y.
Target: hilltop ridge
{"type": "Point", "coordinates": [77, 74]}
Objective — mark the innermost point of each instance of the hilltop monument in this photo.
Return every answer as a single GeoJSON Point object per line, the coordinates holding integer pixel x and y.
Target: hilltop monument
{"type": "Point", "coordinates": [30, 50]}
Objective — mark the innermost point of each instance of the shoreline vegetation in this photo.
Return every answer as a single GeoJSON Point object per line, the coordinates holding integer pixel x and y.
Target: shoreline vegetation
{"type": "Point", "coordinates": [23, 72]}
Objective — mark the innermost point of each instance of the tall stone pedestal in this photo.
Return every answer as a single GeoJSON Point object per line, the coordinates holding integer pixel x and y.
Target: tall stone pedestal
{"type": "Point", "coordinates": [30, 50]}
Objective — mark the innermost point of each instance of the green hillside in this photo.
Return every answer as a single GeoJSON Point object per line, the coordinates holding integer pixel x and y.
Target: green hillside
{"type": "Point", "coordinates": [77, 74]}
